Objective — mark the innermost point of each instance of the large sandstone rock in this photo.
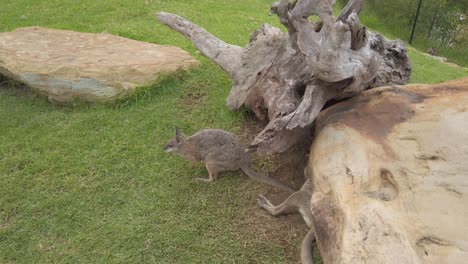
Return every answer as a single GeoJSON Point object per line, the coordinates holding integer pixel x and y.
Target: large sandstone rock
{"type": "Point", "coordinates": [66, 65]}
{"type": "Point", "coordinates": [390, 176]}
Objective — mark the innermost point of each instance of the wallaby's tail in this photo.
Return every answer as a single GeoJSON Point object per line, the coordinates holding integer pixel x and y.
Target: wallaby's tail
{"type": "Point", "coordinates": [306, 248]}
{"type": "Point", "coordinates": [263, 179]}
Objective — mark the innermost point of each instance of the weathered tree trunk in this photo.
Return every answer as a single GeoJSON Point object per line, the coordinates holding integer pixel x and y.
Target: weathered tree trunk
{"type": "Point", "coordinates": [286, 78]}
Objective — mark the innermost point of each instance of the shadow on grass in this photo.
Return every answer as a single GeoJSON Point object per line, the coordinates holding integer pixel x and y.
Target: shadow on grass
{"type": "Point", "coordinates": [162, 84]}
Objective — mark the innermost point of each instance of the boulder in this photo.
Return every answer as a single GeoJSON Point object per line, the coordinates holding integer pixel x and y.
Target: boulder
{"type": "Point", "coordinates": [390, 176]}
{"type": "Point", "coordinates": [66, 65]}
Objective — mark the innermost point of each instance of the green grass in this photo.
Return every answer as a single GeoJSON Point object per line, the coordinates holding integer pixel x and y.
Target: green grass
{"type": "Point", "coordinates": [92, 185]}
{"type": "Point", "coordinates": [429, 70]}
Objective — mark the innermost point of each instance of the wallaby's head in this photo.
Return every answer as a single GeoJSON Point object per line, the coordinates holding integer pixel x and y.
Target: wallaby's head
{"type": "Point", "coordinates": [175, 143]}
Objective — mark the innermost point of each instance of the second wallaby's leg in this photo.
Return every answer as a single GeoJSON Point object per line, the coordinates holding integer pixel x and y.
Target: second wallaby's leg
{"type": "Point", "coordinates": [298, 202]}
{"type": "Point", "coordinates": [212, 174]}
{"type": "Point", "coordinates": [285, 207]}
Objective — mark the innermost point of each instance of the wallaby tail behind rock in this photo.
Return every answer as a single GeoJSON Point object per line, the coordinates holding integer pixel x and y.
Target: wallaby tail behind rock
{"type": "Point", "coordinates": [263, 179]}
{"type": "Point", "coordinates": [306, 248]}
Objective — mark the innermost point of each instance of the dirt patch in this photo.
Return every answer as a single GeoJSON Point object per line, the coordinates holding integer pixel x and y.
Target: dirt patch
{"type": "Point", "coordinates": [192, 99]}
{"type": "Point", "coordinates": [286, 230]}
{"type": "Point", "coordinates": [288, 167]}
{"type": "Point", "coordinates": [5, 225]}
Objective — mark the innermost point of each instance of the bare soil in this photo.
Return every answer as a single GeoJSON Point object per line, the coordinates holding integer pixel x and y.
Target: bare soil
{"type": "Point", "coordinates": [286, 230]}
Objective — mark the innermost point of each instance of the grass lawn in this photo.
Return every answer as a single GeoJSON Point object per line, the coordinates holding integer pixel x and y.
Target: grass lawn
{"type": "Point", "coordinates": [92, 184]}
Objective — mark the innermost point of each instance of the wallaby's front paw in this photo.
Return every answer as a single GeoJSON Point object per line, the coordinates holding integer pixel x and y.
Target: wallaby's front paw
{"type": "Point", "coordinates": [202, 180]}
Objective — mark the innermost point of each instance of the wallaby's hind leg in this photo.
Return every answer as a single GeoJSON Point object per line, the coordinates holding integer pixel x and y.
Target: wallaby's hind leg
{"type": "Point", "coordinates": [212, 174]}
{"type": "Point", "coordinates": [298, 202]}
{"type": "Point", "coordinates": [285, 207]}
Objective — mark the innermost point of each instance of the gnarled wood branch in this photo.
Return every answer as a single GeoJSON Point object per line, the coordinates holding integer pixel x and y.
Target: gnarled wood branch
{"type": "Point", "coordinates": [222, 53]}
{"type": "Point", "coordinates": [286, 78]}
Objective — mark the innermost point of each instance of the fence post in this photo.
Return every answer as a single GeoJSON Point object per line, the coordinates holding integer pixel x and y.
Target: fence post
{"type": "Point", "coordinates": [414, 23]}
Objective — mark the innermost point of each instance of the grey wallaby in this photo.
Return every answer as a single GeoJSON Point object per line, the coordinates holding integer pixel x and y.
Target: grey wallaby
{"type": "Point", "coordinates": [296, 202]}
{"type": "Point", "coordinates": [220, 151]}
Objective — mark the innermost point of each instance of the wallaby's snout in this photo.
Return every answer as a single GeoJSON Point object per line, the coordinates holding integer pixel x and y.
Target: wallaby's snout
{"type": "Point", "coordinates": [172, 145]}
{"type": "Point", "coordinates": [175, 143]}
{"type": "Point", "coordinates": [169, 147]}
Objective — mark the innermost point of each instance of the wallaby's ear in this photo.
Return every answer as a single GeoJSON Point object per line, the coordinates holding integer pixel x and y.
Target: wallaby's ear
{"type": "Point", "coordinates": [179, 136]}
{"type": "Point", "coordinates": [177, 131]}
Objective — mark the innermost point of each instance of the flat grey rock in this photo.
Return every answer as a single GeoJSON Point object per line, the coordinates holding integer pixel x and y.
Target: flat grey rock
{"type": "Point", "coordinates": [66, 65]}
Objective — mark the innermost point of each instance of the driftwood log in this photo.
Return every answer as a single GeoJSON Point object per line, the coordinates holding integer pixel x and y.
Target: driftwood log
{"type": "Point", "coordinates": [286, 78]}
